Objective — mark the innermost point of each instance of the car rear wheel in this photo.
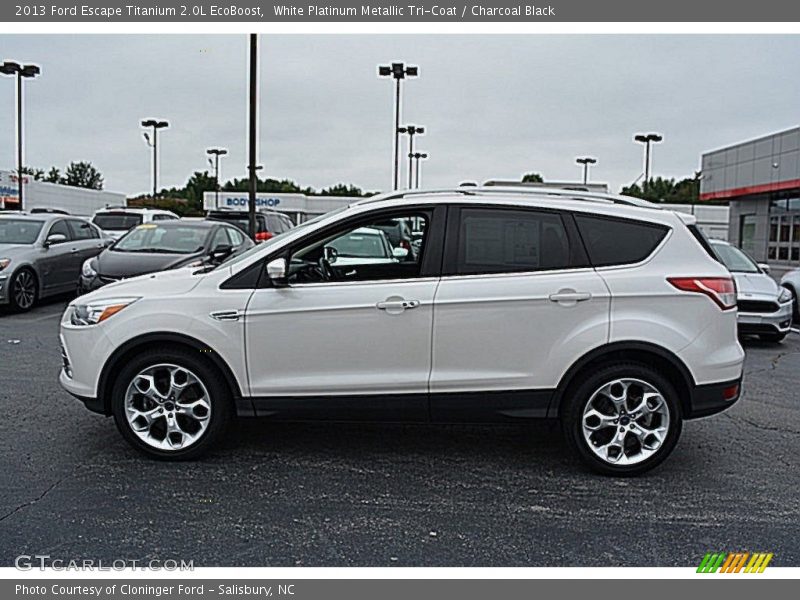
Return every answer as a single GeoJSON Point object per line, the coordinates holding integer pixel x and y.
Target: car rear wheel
{"type": "Point", "coordinates": [623, 419]}
{"type": "Point", "coordinates": [23, 291]}
{"type": "Point", "coordinates": [171, 404]}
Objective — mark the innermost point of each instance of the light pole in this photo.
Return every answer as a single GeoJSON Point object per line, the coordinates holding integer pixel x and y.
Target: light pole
{"type": "Point", "coordinates": [30, 71]}
{"type": "Point", "coordinates": [647, 139]}
{"type": "Point", "coordinates": [417, 156]}
{"type": "Point", "coordinates": [398, 71]}
{"type": "Point", "coordinates": [586, 161]}
{"type": "Point", "coordinates": [156, 125]}
{"type": "Point", "coordinates": [216, 153]}
{"type": "Point", "coordinates": [411, 130]}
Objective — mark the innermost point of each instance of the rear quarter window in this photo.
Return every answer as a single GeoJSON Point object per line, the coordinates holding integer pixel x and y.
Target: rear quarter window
{"type": "Point", "coordinates": [611, 241]}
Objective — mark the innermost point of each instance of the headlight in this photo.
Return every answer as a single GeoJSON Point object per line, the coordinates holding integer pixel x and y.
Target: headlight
{"type": "Point", "coordinates": [88, 269]}
{"type": "Point", "coordinates": [4, 262]}
{"type": "Point", "coordinates": [91, 313]}
{"type": "Point", "coordinates": [784, 296]}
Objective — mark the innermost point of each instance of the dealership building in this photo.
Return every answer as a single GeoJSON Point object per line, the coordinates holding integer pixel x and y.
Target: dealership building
{"type": "Point", "coordinates": [761, 180]}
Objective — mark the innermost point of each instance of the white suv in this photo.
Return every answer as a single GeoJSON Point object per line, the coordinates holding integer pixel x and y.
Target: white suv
{"type": "Point", "coordinates": [597, 310]}
{"type": "Point", "coordinates": [117, 221]}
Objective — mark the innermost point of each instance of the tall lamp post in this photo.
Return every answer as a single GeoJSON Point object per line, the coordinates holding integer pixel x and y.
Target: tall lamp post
{"type": "Point", "coordinates": [398, 71]}
{"type": "Point", "coordinates": [647, 139]}
{"type": "Point", "coordinates": [586, 161]}
{"type": "Point", "coordinates": [411, 130]}
{"type": "Point", "coordinates": [417, 156]}
{"type": "Point", "coordinates": [216, 153]}
{"type": "Point", "coordinates": [29, 71]}
{"type": "Point", "coordinates": [153, 143]}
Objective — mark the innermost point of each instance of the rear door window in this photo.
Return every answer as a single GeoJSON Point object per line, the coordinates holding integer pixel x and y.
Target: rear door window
{"type": "Point", "coordinates": [509, 240]}
{"type": "Point", "coordinates": [82, 230]}
{"type": "Point", "coordinates": [612, 241]}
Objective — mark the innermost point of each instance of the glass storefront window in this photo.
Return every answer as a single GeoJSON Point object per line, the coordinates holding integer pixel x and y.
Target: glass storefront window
{"type": "Point", "coordinates": [783, 253]}
{"type": "Point", "coordinates": [773, 229]}
{"type": "Point", "coordinates": [772, 253]}
{"type": "Point", "coordinates": [785, 229]}
{"type": "Point", "coordinates": [795, 253]}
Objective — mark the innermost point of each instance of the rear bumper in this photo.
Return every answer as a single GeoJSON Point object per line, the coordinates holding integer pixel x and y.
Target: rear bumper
{"type": "Point", "coordinates": [713, 398]}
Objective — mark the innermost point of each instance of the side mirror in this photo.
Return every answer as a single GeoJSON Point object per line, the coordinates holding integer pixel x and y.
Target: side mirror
{"type": "Point", "coordinates": [276, 271]}
{"type": "Point", "coordinates": [108, 242]}
{"type": "Point", "coordinates": [764, 268]}
{"type": "Point", "coordinates": [400, 253]}
{"type": "Point", "coordinates": [55, 238]}
{"type": "Point", "coordinates": [331, 254]}
{"type": "Point", "coordinates": [221, 252]}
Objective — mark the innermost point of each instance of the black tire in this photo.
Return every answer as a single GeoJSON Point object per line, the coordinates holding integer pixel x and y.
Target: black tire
{"type": "Point", "coordinates": [773, 338]}
{"type": "Point", "coordinates": [579, 395]}
{"type": "Point", "coordinates": [219, 395]}
{"type": "Point", "coordinates": [23, 290]}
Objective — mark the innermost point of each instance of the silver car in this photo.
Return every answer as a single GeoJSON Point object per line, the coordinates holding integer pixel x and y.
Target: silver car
{"type": "Point", "coordinates": [791, 281]}
{"type": "Point", "coordinates": [41, 255]}
{"type": "Point", "coordinates": [765, 308]}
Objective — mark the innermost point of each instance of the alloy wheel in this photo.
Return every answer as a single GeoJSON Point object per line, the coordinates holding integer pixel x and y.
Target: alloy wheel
{"type": "Point", "coordinates": [625, 421]}
{"type": "Point", "coordinates": [24, 290]}
{"type": "Point", "coordinates": [168, 407]}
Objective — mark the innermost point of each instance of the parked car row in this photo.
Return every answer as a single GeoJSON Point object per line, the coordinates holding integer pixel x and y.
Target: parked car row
{"type": "Point", "coordinates": [45, 253]}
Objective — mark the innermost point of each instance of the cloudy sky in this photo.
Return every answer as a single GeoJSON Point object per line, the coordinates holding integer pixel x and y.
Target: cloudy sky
{"type": "Point", "coordinates": [494, 106]}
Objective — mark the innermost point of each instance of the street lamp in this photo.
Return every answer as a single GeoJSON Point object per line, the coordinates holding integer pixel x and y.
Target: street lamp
{"type": "Point", "coordinates": [398, 71]}
{"type": "Point", "coordinates": [216, 153]}
{"type": "Point", "coordinates": [586, 161]}
{"type": "Point", "coordinates": [647, 139]}
{"type": "Point", "coordinates": [411, 130]}
{"type": "Point", "coordinates": [417, 156]}
{"type": "Point", "coordinates": [153, 143]}
{"type": "Point", "coordinates": [30, 71]}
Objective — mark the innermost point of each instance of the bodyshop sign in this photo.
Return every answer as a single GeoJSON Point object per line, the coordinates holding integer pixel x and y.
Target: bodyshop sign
{"type": "Point", "coordinates": [288, 203]}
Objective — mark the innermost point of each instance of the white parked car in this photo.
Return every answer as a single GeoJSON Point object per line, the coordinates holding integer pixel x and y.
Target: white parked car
{"type": "Point", "coordinates": [117, 221]}
{"type": "Point", "coordinates": [596, 310]}
{"type": "Point", "coordinates": [765, 308]}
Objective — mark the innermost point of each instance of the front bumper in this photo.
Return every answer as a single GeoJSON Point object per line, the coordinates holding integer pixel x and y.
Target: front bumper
{"type": "Point", "coordinates": [778, 321]}
{"type": "Point", "coordinates": [5, 283]}
{"type": "Point", "coordinates": [89, 284]}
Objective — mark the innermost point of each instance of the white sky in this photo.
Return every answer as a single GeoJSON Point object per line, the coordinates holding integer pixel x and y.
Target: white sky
{"type": "Point", "coordinates": [494, 106]}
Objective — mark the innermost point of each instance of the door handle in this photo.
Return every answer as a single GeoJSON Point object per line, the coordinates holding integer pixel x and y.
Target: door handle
{"type": "Point", "coordinates": [397, 305]}
{"type": "Point", "coordinates": [569, 296]}
{"type": "Point", "coordinates": [74, 250]}
{"type": "Point", "coordinates": [226, 315]}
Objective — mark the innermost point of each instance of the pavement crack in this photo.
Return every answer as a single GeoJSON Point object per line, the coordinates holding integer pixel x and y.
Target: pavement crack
{"type": "Point", "coordinates": [31, 502]}
{"type": "Point", "coordinates": [762, 427]}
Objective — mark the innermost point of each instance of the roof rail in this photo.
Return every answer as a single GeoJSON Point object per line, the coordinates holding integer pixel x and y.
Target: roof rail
{"type": "Point", "coordinates": [540, 192]}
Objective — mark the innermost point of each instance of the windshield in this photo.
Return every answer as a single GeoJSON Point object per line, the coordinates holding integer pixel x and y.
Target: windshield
{"type": "Point", "coordinates": [240, 220]}
{"type": "Point", "coordinates": [19, 231]}
{"type": "Point", "coordinates": [736, 260]}
{"type": "Point", "coordinates": [280, 237]}
{"type": "Point", "coordinates": [360, 245]}
{"type": "Point", "coordinates": [168, 240]}
{"type": "Point", "coordinates": [117, 221]}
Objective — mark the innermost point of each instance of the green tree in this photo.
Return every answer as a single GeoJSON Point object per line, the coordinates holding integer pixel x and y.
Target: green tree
{"type": "Point", "coordinates": [83, 174]}
{"type": "Point", "coordinates": [340, 189]}
{"type": "Point", "coordinates": [532, 178]}
{"type": "Point", "coordinates": [53, 175]}
{"type": "Point", "coordinates": [36, 174]}
{"type": "Point", "coordinates": [659, 189]}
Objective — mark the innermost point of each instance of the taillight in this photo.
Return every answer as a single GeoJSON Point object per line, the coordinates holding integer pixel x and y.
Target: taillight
{"type": "Point", "coordinates": [405, 244]}
{"type": "Point", "coordinates": [721, 290]}
{"type": "Point", "coordinates": [263, 236]}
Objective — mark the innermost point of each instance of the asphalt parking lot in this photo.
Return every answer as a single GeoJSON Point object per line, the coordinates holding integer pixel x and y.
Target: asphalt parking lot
{"type": "Point", "coordinates": [346, 495]}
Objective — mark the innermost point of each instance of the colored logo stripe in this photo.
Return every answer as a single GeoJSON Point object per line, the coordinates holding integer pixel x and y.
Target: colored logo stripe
{"type": "Point", "coordinates": [734, 562]}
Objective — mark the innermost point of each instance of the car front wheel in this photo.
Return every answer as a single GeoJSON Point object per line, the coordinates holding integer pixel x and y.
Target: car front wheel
{"type": "Point", "coordinates": [24, 290]}
{"type": "Point", "coordinates": [623, 419]}
{"type": "Point", "coordinates": [171, 404]}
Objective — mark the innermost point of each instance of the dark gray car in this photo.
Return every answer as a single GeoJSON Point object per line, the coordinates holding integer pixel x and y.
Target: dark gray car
{"type": "Point", "coordinates": [41, 255]}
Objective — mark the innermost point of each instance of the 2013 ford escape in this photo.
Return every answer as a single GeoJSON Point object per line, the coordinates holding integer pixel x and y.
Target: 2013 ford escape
{"type": "Point", "coordinates": [602, 311]}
